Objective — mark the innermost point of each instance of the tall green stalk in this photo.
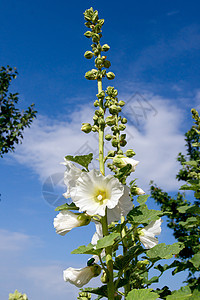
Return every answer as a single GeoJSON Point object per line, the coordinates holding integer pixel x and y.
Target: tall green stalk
{"type": "Point", "coordinates": [109, 261]}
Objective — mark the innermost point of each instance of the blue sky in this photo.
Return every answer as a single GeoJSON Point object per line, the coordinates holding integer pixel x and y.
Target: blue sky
{"type": "Point", "coordinates": [155, 56]}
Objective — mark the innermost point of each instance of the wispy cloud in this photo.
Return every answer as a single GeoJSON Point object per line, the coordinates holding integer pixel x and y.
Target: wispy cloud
{"type": "Point", "coordinates": [157, 140]}
{"type": "Point", "coordinates": [16, 241]}
{"type": "Point", "coordinates": [187, 39]}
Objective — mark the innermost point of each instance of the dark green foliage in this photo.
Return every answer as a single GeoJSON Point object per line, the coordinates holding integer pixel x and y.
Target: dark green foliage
{"type": "Point", "coordinates": [183, 217]}
{"type": "Point", "coordinates": [12, 120]}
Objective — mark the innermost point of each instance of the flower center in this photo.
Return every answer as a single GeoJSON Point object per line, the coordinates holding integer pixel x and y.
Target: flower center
{"type": "Point", "coordinates": [101, 196]}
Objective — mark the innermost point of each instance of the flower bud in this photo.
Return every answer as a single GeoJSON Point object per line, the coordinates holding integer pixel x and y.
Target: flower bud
{"type": "Point", "coordinates": [113, 109]}
{"type": "Point", "coordinates": [111, 153]}
{"type": "Point", "coordinates": [95, 117]}
{"type": "Point", "coordinates": [86, 127]}
{"type": "Point", "coordinates": [123, 143]}
{"type": "Point", "coordinates": [139, 191]}
{"type": "Point", "coordinates": [109, 90]}
{"type": "Point", "coordinates": [105, 47]}
{"type": "Point", "coordinates": [88, 54]}
{"type": "Point", "coordinates": [108, 137]}
{"type": "Point", "coordinates": [84, 296]}
{"type": "Point", "coordinates": [101, 121]}
{"type": "Point", "coordinates": [101, 22]}
{"type": "Point", "coordinates": [95, 128]}
{"type": "Point", "coordinates": [110, 75]}
{"type": "Point", "coordinates": [104, 277]}
{"type": "Point", "coordinates": [141, 264]}
{"type": "Point", "coordinates": [88, 34]}
{"type": "Point", "coordinates": [98, 62]}
{"type": "Point", "coordinates": [110, 120]}
{"type": "Point", "coordinates": [124, 120]}
{"type": "Point", "coordinates": [121, 103]}
{"type": "Point", "coordinates": [101, 95]}
{"type": "Point", "coordinates": [123, 137]}
{"type": "Point", "coordinates": [91, 75]}
{"type": "Point", "coordinates": [106, 64]}
{"type": "Point", "coordinates": [130, 153]}
{"type": "Point", "coordinates": [96, 103]}
{"type": "Point", "coordinates": [114, 142]}
{"type": "Point", "coordinates": [95, 37]}
{"type": "Point", "coordinates": [122, 127]}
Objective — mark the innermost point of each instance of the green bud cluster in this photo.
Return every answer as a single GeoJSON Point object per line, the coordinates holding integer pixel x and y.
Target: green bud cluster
{"type": "Point", "coordinates": [95, 25]}
{"type": "Point", "coordinates": [17, 296]}
{"type": "Point", "coordinates": [84, 296]}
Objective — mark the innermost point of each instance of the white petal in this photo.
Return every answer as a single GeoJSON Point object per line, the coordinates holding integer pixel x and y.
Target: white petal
{"type": "Point", "coordinates": [131, 161]}
{"type": "Point", "coordinates": [83, 195]}
{"type": "Point", "coordinates": [71, 174]}
{"type": "Point", "coordinates": [148, 241]}
{"type": "Point", "coordinates": [78, 277]}
{"type": "Point", "coordinates": [154, 227]}
{"type": "Point", "coordinates": [65, 221]}
{"type": "Point", "coordinates": [122, 208]}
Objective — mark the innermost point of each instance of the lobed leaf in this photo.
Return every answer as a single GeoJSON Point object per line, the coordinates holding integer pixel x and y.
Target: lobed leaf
{"type": "Point", "coordinates": [83, 160]}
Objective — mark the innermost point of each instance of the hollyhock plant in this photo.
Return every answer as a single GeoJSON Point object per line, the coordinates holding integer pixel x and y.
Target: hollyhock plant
{"type": "Point", "coordinates": [66, 220]}
{"type": "Point", "coordinates": [117, 208]}
{"type": "Point", "coordinates": [147, 234]}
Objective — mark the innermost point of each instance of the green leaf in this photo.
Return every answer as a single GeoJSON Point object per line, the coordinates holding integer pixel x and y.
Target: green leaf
{"type": "Point", "coordinates": [142, 294]}
{"type": "Point", "coordinates": [66, 206]}
{"type": "Point", "coordinates": [142, 199]}
{"type": "Point", "coordinates": [195, 260]}
{"type": "Point", "coordinates": [163, 251]}
{"type": "Point", "coordinates": [142, 214]}
{"type": "Point", "coordinates": [83, 160]}
{"type": "Point", "coordinates": [89, 249]}
{"type": "Point", "coordinates": [183, 294]}
{"type": "Point", "coordinates": [107, 241]}
{"type": "Point", "coordinates": [102, 291]}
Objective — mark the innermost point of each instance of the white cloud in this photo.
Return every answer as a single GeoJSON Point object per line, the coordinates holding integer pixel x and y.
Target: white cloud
{"type": "Point", "coordinates": [16, 241]}
{"type": "Point", "coordinates": [154, 135]}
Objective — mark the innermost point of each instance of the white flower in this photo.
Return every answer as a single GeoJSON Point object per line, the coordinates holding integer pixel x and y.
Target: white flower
{"type": "Point", "coordinates": [147, 234]}
{"type": "Point", "coordinates": [122, 208]}
{"type": "Point", "coordinates": [131, 161]}
{"type": "Point", "coordinates": [71, 174]}
{"type": "Point", "coordinates": [80, 277]}
{"type": "Point", "coordinates": [97, 236]}
{"type": "Point", "coordinates": [66, 220]}
{"type": "Point", "coordinates": [94, 192]}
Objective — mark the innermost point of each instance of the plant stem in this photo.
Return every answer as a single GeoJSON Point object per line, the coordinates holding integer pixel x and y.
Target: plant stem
{"type": "Point", "coordinates": [109, 262]}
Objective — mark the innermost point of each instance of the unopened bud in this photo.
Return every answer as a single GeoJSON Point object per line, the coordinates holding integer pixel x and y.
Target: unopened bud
{"type": "Point", "coordinates": [101, 95]}
{"type": "Point", "coordinates": [88, 34]}
{"type": "Point", "coordinates": [114, 143]}
{"type": "Point", "coordinates": [111, 153]}
{"type": "Point", "coordinates": [91, 75]}
{"type": "Point", "coordinates": [110, 75]}
{"type": "Point", "coordinates": [124, 120]}
{"type": "Point", "coordinates": [104, 277]}
{"type": "Point", "coordinates": [121, 103]}
{"type": "Point", "coordinates": [123, 143]}
{"type": "Point", "coordinates": [113, 109]}
{"type": "Point", "coordinates": [86, 127]}
{"type": "Point", "coordinates": [106, 64]}
{"type": "Point", "coordinates": [122, 127]}
{"type": "Point", "coordinates": [137, 191]}
{"type": "Point", "coordinates": [88, 54]}
{"type": "Point", "coordinates": [108, 137]}
{"type": "Point", "coordinates": [96, 103]}
{"type": "Point", "coordinates": [130, 153]}
{"type": "Point", "coordinates": [105, 47]}
{"type": "Point", "coordinates": [84, 219]}
{"type": "Point", "coordinates": [110, 120]}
